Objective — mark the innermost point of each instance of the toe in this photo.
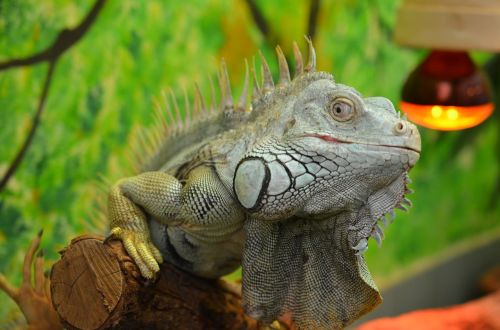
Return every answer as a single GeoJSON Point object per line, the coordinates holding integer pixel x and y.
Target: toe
{"type": "Point", "coordinates": [117, 232]}
{"type": "Point", "coordinates": [156, 253]}
{"type": "Point", "coordinates": [136, 256]}
{"type": "Point", "coordinates": [147, 257]}
{"type": "Point", "coordinates": [145, 271]}
{"type": "Point", "coordinates": [130, 247]}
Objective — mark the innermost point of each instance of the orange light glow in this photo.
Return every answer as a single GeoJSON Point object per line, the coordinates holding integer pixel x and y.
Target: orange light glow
{"type": "Point", "coordinates": [447, 118]}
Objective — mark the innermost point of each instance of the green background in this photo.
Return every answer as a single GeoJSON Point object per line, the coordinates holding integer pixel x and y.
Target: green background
{"type": "Point", "coordinates": [104, 88]}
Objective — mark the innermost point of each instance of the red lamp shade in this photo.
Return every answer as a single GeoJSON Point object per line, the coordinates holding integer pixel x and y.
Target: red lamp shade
{"type": "Point", "coordinates": [447, 92]}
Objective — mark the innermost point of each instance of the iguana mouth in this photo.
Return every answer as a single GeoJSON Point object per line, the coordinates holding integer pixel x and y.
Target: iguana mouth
{"type": "Point", "coordinates": [398, 147]}
{"type": "Point", "coordinates": [326, 138]}
{"type": "Point", "coordinates": [331, 139]}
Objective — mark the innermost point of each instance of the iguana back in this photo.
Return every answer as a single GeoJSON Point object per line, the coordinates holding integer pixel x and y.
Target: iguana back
{"type": "Point", "coordinates": [175, 139]}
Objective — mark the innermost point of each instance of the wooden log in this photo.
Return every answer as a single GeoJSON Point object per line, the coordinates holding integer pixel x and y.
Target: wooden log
{"type": "Point", "coordinates": [96, 285]}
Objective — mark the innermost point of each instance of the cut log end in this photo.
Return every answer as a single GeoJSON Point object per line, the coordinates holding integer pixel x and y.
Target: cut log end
{"type": "Point", "coordinates": [96, 285]}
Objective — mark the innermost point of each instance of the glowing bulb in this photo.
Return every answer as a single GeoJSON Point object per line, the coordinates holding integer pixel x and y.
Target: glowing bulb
{"type": "Point", "coordinates": [436, 111]}
{"type": "Point", "coordinates": [452, 113]}
{"type": "Point", "coordinates": [447, 118]}
{"type": "Point", "coordinates": [447, 92]}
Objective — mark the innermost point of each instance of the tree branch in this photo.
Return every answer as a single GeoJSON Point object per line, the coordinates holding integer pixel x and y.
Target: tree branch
{"type": "Point", "coordinates": [258, 18]}
{"type": "Point", "coordinates": [35, 122]}
{"type": "Point", "coordinates": [65, 40]}
{"type": "Point", "coordinates": [313, 18]}
{"type": "Point", "coordinates": [261, 23]}
{"type": "Point", "coordinates": [96, 285]}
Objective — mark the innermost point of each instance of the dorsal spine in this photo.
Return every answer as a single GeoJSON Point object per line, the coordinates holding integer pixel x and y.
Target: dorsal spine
{"type": "Point", "coordinates": [155, 144]}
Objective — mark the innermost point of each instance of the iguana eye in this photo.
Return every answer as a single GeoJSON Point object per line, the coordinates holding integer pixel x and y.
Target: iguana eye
{"type": "Point", "coordinates": [342, 109]}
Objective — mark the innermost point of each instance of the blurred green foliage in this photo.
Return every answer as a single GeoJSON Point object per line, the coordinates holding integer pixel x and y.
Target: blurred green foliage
{"type": "Point", "coordinates": [103, 90]}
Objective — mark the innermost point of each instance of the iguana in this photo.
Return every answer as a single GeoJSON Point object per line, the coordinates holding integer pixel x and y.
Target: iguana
{"type": "Point", "coordinates": [290, 185]}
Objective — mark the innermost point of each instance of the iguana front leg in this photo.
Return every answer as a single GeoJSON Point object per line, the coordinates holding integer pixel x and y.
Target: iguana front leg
{"type": "Point", "coordinates": [201, 215]}
{"type": "Point", "coordinates": [157, 194]}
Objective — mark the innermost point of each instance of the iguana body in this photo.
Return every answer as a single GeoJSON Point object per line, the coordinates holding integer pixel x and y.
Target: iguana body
{"type": "Point", "coordinates": [290, 190]}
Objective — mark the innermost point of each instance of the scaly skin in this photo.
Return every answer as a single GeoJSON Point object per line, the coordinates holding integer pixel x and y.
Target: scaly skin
{"type": "Point", "coordinates": [291, 191]}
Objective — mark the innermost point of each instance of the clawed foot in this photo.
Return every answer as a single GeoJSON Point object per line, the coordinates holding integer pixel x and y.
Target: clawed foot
{"type": "Point", "coordinates": [141, 250]}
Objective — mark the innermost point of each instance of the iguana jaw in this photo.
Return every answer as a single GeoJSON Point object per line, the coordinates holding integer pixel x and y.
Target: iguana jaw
{"type": "Point", "coordinates": [411, 145]}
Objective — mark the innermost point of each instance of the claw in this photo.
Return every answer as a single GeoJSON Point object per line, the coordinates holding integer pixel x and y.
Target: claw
{"type": "Point", "coordinates": [392, 214]}
{"type": "Point", "coordinates": [156, 253]}
{"type": "Point", "coordinates": [145, 271]}
{"type": "Point", "coordinates": [147, 257]}
{"type": "Point", "coordinates": [409, 191]}
{"type": "Point", "coordinates": [140, 250]}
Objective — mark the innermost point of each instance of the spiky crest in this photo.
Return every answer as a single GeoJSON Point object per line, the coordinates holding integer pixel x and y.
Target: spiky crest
{"type": "Point", "coordinates": [171, 132]}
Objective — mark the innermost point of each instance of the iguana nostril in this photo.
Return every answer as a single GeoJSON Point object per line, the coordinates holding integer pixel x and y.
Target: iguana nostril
{"type": "Point", "coordinates": [400, 128]}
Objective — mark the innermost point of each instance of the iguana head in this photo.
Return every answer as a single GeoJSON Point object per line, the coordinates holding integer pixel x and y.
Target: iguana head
{"type": "Point", "coordinates": [330, 151]}
{"type": "Point", "coordinates": [363, 143]}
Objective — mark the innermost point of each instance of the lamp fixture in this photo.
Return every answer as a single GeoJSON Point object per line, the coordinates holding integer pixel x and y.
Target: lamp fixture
{"type": "Point", "coordinates": [447, 91]}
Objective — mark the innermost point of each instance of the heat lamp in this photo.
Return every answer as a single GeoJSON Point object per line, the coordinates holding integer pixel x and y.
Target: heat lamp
{"type": "Point", "coordinates": [447, 91]}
